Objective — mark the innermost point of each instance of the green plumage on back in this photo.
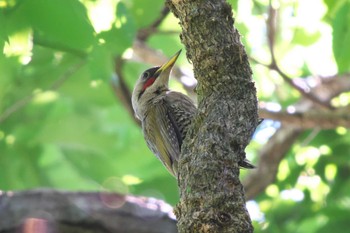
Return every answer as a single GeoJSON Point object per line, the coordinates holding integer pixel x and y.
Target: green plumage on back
{"type": "Point", "coordinates": [165, 115]}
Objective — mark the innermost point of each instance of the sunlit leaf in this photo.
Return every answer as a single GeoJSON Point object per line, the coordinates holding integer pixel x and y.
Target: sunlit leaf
{"type": "Point", "coordinates": [60, 22]}
{"type": "Point", "coordinates": [234, 4]}
{"type": "Point", "coordinates": [145, 11]}
{"type": "Point", "coordinates": [341, 38]}
{"type": "Point", "coordinates": [121, 35]}
{"type": "Point", "coordinates": [333, 7]}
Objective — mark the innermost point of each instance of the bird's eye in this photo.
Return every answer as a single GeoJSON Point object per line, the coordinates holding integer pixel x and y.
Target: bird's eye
{"type": "Point", "coordinates": [145, 75]}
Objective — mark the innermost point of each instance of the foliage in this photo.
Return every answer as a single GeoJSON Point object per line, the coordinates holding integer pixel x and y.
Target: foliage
{"type": "Point", "coordinates": [61, 125]}
{"type": "Point", "coordinates": [73, 133]}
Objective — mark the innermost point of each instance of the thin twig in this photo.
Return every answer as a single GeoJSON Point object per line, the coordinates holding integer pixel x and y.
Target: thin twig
{"type": "Point", "coordinates": [74, 68]}
{"type": "Point", "coordinates": [15, 107]}
{"type": "Point", "coordinates": [144, 33]}
{"type": "Point", "coordinates": [314, 132]}
{"type": "Point", "coordinates": [167, 32]}
{"type": "Point", "coordinates": [58, 46]}
{"type": "Point", "coordinates": [121, 90]}
{"type": "Point", "coordinates": [118, 83]}
{"type": "Point", "coordinates": [271, 35]}
{"type": "Point", "coordinates": [271, 32]}
{"type": "Point", "coordinates": [280, 143]}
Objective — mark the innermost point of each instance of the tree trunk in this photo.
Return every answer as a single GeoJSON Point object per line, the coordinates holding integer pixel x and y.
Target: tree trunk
{"type": "Point", "coordinates": [211, 194]}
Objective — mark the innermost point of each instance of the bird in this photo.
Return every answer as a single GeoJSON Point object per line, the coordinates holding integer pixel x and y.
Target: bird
{"type": "Point", "coordinates": [165, 115]}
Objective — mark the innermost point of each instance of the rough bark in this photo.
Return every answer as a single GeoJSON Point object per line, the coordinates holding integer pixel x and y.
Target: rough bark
{"type": "Point", "coordinates": [211, 195]}
{"type": "Point", "coordinates": [53, 211]}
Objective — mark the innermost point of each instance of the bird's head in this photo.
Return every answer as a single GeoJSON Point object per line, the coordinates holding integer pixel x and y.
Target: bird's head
{"type": "Point", "coordinates": [150, 84]}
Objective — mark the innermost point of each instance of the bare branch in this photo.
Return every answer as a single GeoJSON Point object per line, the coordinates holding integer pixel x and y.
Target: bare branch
{"type": "Point", "coordinates": [212, 198]}
{"type": "Point", "coordinates": [141, 53]}
{"type": "Point", "coordinates": [324, 119]}
{"type": "Point", "coordinates": [121, 90]}
{"type": "Point", "coordinates": [271, 31]}
{"type": "Point", "coordinates": [144, 33]}
{"type": "Point", "coordinates": [271, 34]}
{"type": "Point", "coordinates": [59, 46]}
{"type": "Point", "coordinates": [62, 211]}
{"type": "Point", "coordinates": [281, 142]}
{"type": "Point", "coordinates": [269, 159]}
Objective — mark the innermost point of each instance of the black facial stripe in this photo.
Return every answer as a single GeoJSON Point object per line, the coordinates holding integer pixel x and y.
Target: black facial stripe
{"type": "Point", "coordinates": [140, 95]}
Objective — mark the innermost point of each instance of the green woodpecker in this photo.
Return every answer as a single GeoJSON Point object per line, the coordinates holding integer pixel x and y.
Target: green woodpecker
{"type": "Point", "coordinates": [165, 115]}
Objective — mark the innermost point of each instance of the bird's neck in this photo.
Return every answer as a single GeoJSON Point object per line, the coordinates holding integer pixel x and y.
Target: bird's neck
{"type": "Point", "coordinates": [149, 99]}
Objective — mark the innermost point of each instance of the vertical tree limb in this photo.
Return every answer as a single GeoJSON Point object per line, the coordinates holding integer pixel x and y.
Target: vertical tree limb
{"type": "Point", "coordinates": [211, 195]}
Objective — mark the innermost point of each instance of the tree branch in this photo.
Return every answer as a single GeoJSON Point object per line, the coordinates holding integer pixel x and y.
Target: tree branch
{"type": "Point", "coordinates": [271, 34]}
{"type": "Point", "coordinates": [121, 90]}
{"type": "Point", "coordinates": [144, 33]}
{"type": "Point", "coordinates": [281, 142]}
{"type": "Point", "coordinates": [212, 197]}
{"type": "Point", "coordinates": [74, 212]}
{"type": "Point", "coordinates": [269, 159]}
{"type": "Point", "coordinates": [324, 119]}
{"type": "Point", "coordinates": [59, 46]}
{"type": "Point", "coordinates": [144, 53]}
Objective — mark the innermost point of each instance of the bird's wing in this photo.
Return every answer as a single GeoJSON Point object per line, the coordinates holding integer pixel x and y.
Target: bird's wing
{"type": "Point", "coordinates": [161, 134]}
{"type": "Point", "coordinates": [166, 126]}
{"type": "Point", "coordinates": [181, 110]}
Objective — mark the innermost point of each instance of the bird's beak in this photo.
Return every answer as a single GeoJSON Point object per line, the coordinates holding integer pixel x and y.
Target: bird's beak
{"type": "Point", "coordinates": [165, 68]}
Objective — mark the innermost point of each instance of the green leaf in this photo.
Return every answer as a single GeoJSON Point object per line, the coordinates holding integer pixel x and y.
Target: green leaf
{"type": "Point", "coordinates": [100, 63]}
{"type": "Point", "coordinates": [234, 4]}
{"type": "Point", "coordinates": [169, 44]}
{"type": "Point", "coordinates": [338, 220]}
{"type": "Point", "coordinates": [60, 21]}
{"type": "Point", "coordinates": [121, 36]}
{"type": "Point", "coordinates": [311, 225]}
{"type": "Point", "coordinates": [333, 7]}
{"type": "Point", "coordinates": [145, 11]}
{"type": "Point", "coordinates": [341, 38]}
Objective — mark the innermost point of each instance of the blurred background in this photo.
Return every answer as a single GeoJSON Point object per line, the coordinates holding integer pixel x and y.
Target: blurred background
{"type": "Point", "coordinates": [67, 69]}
